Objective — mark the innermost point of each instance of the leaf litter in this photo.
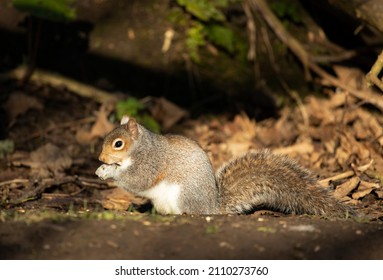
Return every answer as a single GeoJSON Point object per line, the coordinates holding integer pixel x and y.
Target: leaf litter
{"type": "Point", "coordinates": [342, 142]}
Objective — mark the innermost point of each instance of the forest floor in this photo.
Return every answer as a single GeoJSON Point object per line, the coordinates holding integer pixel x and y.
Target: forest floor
{"type": "Point", "coordinates": [54, 207]}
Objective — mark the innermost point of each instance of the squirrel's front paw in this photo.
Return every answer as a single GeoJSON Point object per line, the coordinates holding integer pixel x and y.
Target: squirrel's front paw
{"type": "Point", "coordinates": [106, 171]}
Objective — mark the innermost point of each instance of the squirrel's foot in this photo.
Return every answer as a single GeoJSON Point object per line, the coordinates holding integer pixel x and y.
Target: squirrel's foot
{"type": "Point", "coordinates": [107, 171]}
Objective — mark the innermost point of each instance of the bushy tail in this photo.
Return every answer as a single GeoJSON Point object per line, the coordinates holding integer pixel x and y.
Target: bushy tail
{"type": "Point", "coordinates": [262, 180]}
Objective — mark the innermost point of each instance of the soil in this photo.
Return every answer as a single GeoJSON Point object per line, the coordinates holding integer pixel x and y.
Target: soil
{"type": "Point", "coordinates": [185, 237]}
{"type": "Point", "coordinates": [57, 209]}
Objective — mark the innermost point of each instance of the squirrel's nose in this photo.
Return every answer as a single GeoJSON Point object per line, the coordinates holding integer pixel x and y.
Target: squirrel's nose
{"type": "Point", "coordinates": [101, 158]}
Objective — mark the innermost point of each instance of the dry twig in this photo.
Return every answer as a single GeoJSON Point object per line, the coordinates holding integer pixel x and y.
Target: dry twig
{"type": "Point", "coordinates": [57, 126]}
{"type": "Point", "coordinates": [13, 181]}
{"type": "Point", "coordinates": [346, 174]}
{"type": "Point", "coordinates": [40, 76]}
{"type": "Point", "coordinates": [251, 27]}
{"type": "Point", "coordinates": [373, 76]}
{"type": "Point", "coordinates": [308, 63]}
{"type": "Point", "coordinates": [47, 183]}
{"type": "Point", "coordinates": [337, 177]}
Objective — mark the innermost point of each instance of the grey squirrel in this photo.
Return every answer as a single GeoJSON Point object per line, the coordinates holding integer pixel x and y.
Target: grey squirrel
{"type": "Point", "coordinates": [176, 175]}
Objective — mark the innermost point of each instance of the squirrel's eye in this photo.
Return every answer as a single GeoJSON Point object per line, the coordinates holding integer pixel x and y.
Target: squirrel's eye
{"type": "Point", "coordinates": [118, 144]}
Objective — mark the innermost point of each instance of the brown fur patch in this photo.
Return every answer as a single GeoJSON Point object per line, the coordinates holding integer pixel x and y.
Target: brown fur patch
{"type": "Point", "coordinates": [181, 141]}
{"type": "Point", "coordinates": [159, 178]}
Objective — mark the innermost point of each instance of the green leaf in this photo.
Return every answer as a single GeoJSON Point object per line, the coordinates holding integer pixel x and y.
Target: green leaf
{"type": "Point", "coordinates": [134, 108]}
{"type": "Point", "coordinates": [222, 3]}
{"type": "Point", "coordinates": [130, 107]}
{"type": "Point", "coordinates": [204, 10]}
{"type": "Point", "coordinates": [221, 36]}
{"type": "Point", "coordinates": [195, 39]}
{"type": "Point", "coordinates": [286, 9]}
{"type": "Point", "coordinates": [150, 123]}
{"type": "Point", "coordinates": [55, 10]}
{"type": "Point", "coordinates": [6, 147]}
{"type": "Point", "coordinates": [177, 17]}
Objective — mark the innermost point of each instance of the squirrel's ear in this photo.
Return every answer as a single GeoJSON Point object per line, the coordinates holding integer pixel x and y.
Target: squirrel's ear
{"type": "Point", "coordinates": [124, 120]}
{"type": "Point", "coordinates": [132, 128]}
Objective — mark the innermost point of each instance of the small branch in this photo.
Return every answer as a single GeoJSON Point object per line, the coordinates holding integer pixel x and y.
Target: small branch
{"type": "Point", "coordinates": [299, 148]}
{"type": "Point", "coordinates": [337, 177]}
{"type": "Point", "coordinates": [347, 187]}
{"type": "Point", "coordinates": [346, 55]}
{"type": "Point", "coordinates": [364, 168]}
{"type": "Point", "coordinates": [56, 80]}
{"type": "Point", "coordinates": [282, 33]}
{"type": "Point", "coordinates": [91, 182]}
{"type": "Point", "coordinates": [57, 126]}
{"type": "Point", "coordinates": [251, 28]}
{"type": "Point", "coordinates": [47, 183]}
{"type": "Point", "coordinates": [293, 94]}
{"type": "Point", "coordinates": [363, 94]}
{"type": "Point", "coordinates": [346, 174]}
{"type": "Point", "coordinates": [14, 181]}
{"type": "Point", "coordinates": [373, 76]}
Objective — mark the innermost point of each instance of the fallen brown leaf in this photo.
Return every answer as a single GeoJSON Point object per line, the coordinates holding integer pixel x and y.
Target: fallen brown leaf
{"type": "Point", "coordinates": [46, 161]}
{"type": "Point", "coordinates": [344, 175]}
{"type": "Point", "coordinates": [361, 131]}
{"type": "Point", "coordinates": [348, 147]}
{"type": "Point", "coordinates": [364, 168]}
{"type": "Point", "coordinates": [18, 104]}
{"type": "Point", "coordinates": [347, 187]}
{"type": "Point", "coordinates": [119, 199]}
{"type": "Point", "coordinates": [319, 113]}
{"type": "Point", "coordinates": [371, 125]}
{"type": "Point", "coordinates": [273, 133]}
{"type": "Point", "coordinates": [240, 134]}
{"type": "Point", "coordinates": [340, 98]}
{"type": "Point", "coordinates": [353, 77]}
{"type": "Point", "coordinates": [100, 128]}
{"type": "Point", "coordinates": [305, 147]}
{"type": "Point", "coordinates": [165, 112]}
{"type": "Point", "coordinates": [379, 194]}
{"type": "Point", "coordinates": [364, 189]}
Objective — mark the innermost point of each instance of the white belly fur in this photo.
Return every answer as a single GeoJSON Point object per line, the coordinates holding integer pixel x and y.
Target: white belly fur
{"type": "Point", "coordinates": [164, 197]}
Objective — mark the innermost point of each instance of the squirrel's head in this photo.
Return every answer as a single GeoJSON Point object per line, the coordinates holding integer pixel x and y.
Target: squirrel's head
{"type": "Point", "coordinates": [118, 142]}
